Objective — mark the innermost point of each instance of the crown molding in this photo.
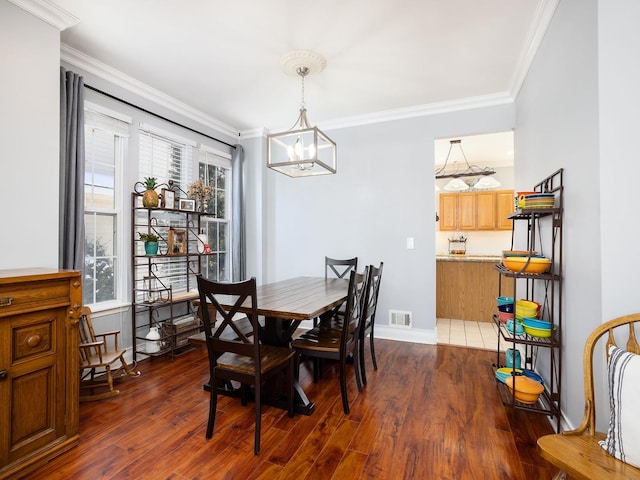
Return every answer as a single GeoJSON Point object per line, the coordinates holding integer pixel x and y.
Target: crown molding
{"type": "Point", "coordinates": [116, 77]}
{"type": "Point", "coordinates": [49, 12]}
{"type": "Point", "coordinates": [438, 108]}
{"type": "Point", "coordinates": [537, 30]}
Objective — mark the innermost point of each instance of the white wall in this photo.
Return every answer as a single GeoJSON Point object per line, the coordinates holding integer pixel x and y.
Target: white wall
{"type": "Point", "coordinates": [382, 194]}
{"type": "Point", "coordinates": [29, 135]}
{"type": "Point", "coordinates": [557, 126]}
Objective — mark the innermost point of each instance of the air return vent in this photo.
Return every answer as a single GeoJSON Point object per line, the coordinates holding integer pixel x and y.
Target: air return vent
{"type": "Point", "coordinates": [399, 318]}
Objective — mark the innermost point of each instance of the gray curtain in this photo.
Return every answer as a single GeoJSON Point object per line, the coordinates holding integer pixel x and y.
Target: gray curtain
{"type": "Point", "coordinates": [238, 234]}
{"type": "Point", "coordinates": [71, 208]}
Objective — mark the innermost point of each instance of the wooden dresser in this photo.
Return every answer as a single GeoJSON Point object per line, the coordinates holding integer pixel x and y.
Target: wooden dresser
{"type": "Point", "coordinates": [39, 311]}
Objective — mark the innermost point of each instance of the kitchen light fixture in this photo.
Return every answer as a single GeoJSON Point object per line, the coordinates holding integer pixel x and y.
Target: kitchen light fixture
{"type": "Point", "coordinates": [465, 177]}
{"type": "Point", "coordinates": [303, 151]}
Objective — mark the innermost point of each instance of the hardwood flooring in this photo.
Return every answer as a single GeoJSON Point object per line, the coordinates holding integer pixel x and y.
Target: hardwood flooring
{"type": "Point", "coordinates": [429, 412]}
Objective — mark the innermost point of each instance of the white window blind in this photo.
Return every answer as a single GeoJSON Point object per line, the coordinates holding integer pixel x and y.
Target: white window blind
{"type": "Point", "coordinates": [105, 151]}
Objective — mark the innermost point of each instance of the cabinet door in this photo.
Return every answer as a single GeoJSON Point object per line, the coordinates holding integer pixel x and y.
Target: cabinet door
{"type": "Point", "coordinates": [486, 211]}
{"type": "Point", "coordinates": [504, 207]}
{"type": "Point", "coordinates": [467, 211]}
{"type": "Point", "coordinates": [448, 211]}
{"type": "Point", "coordinates": [33, 395]}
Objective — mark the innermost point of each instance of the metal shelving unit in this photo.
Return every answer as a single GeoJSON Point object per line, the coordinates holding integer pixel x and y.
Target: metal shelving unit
{"type": "Point", "coordinates": [164, 285]}
{"type": "Point", "coordinates": [546, 288]}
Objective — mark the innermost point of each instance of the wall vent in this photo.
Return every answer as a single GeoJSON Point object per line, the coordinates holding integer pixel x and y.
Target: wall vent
{"type": "Point", "coordinates": [399, 318]}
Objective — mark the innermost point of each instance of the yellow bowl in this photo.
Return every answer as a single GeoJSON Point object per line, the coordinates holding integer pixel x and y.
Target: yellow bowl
{"type": "Point", "coordinates": [527, 390]}
{"type": "Point", "coordinates": [535, 265]}
{"type": "Point", "coordinates": [538, 332]}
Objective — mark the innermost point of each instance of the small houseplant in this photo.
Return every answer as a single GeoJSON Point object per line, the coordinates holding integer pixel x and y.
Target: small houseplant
{"type": "Point", "coordinates": [150, 243]}
{"type": "Point", "coordinates": [150, 197]}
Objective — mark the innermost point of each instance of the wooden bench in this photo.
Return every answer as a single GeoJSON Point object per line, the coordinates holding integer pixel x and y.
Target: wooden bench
{"type": "Point", "coordinates": [577, 452]}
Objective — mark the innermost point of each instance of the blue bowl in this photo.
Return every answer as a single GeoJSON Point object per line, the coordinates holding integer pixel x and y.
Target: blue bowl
{"type": "Point", "coordinates": [504, 300]}
{"type": "Point", "coordinates": [518, 326]}
{"type": "Point", "coordinates": [532, 375]}
{"type": "Point", "coordinates": [535, 323]}
{"type": "Point", "coordinates": [506, 308]}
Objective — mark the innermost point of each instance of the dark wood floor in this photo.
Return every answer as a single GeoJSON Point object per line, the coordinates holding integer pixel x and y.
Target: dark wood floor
{"type": "Point", "coordinates": [429, 412]}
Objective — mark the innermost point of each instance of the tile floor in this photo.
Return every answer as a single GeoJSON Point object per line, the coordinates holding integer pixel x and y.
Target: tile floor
{"type": "Point", "coordinates": [466, 333]}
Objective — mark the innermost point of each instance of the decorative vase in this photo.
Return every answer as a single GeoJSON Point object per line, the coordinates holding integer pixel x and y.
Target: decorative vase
{"type": "Point", "coordinates": [202, 241]}
{"type": "Point", "coordinates": [150, 199]}
{"type": "Point", "coordinates": [151, 248]}
{"type": "Point", "coordinates": [153, 340]}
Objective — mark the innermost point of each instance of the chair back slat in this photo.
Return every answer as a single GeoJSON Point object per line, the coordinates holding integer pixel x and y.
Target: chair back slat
{"type": "Point", "coordinates": [339, 268]}
{"type": "Point", "coordinates": [357, 298]}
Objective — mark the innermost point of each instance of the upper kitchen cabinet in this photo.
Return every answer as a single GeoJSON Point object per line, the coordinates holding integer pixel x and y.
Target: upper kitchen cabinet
{"type": "Point", "coordinates": [494, 208]}
{"type": "Point", "coordinates": [480, 210]}
{"type": "Point", "coordinates": [458, 211]}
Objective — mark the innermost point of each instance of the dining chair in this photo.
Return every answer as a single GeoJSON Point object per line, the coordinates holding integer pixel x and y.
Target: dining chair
{"type": "Point", "coordinates": [234, 355]}
{"type": "Point", "coordinates": [336, 268]}
{"type": "Point", "coordinates": [326, 342]}
{"type": "Point", "coordinates": [369, 318]}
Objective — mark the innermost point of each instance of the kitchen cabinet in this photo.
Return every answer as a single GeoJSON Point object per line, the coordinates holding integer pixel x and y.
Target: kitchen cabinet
{"type": "Point", "coordinates": [543, 230]}
{"type": "Point", "coordinates": [39, 373]}
{"type": "Point", "coordinates": [458, 211]}
{"type": "Point", "coordinates": [466, 287]}
{"type": "Point", "coordinates": [481, 210]}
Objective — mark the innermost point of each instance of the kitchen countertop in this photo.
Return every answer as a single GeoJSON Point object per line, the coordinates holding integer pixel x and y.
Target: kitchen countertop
{"type": "Point", "coordinates": [469, 258]}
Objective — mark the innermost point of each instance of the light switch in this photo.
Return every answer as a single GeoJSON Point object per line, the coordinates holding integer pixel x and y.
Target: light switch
{"type": "Point", "coordinates": [410, 243]}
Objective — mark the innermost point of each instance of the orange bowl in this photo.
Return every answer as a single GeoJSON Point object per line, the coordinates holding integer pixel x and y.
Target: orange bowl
{"type": "Point", "coordinates": [534, 265]}
{"type": "Point", "coordinates": [526, 389]}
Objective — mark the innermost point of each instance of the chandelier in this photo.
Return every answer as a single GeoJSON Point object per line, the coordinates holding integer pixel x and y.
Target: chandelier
{"type": "Point", "coordinates": [302, 150]}
{"type": "Point", "coordinates": [465, 176]}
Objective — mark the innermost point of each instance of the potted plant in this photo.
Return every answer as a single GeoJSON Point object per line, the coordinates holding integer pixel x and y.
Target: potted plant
{"type": "Point", "coordinates": [150, 243]}
{"type": "Point", "coordinates": [150, 197]}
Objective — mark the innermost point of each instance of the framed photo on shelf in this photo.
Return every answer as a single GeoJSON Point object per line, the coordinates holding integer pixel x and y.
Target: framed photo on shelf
{"type": "Point", "coordinates": [177, 242]}
{"type": "Point", "coordinates": [187, 205]}
{"type": "Point", "coordinates": [168, 198]}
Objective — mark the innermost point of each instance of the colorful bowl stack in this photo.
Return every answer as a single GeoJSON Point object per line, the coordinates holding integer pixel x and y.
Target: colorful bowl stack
{"type": "Point", "coordinates": [505, 308]}
{"type": "Point", "coordinates": [538, 200]}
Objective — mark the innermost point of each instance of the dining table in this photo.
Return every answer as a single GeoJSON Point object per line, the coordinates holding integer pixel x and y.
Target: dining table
{"type": "Point", "coordinates": [285, 304]}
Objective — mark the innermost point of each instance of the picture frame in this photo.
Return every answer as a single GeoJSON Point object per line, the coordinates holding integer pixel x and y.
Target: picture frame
{"type": "Point", "coordinates": [177, 242]}
{"type": "Point", "coordinates": [187, 205]}
{"type": "Point", "coordinates": [168, 198]}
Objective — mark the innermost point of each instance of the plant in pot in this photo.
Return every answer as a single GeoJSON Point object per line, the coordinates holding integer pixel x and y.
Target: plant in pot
{"type": "Point", "coordinates": [150, 243]}
{"type": "Point", "coordinates": [150, 197]}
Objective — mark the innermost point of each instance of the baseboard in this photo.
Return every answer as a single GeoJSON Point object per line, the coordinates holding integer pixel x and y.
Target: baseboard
{"type": "Point", "coordinates": [402, 334]}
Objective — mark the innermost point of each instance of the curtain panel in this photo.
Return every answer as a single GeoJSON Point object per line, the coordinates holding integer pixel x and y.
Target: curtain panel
{"type": "Point", "coordinates": [71, 206]}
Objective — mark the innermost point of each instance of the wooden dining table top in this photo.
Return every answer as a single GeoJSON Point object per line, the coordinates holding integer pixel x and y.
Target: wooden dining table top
{"type": "Point", "coordinates": [299, 298]}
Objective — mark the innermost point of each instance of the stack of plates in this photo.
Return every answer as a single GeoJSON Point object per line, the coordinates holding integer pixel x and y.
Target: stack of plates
{"type": "Point", "coordinates": [539, 200]}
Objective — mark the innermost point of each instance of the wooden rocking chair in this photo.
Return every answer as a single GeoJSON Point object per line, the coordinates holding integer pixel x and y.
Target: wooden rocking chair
{"type": "Point", "coordinates": [98, 352]}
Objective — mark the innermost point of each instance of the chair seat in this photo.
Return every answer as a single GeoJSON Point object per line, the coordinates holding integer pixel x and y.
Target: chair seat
{"type": "Point", "coordinates": [320, 339]}
{"type": "Point", "coordinates": [94, 360]}
{"type": "Point", "coordinates": [270, 357]}
{"type": "Point", "coordinates": [582, 457]}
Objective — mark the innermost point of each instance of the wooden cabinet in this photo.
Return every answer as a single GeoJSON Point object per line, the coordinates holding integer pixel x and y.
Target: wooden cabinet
{"type": "Point", "coordinates": [482, 210]}
{"type": "Point", "coordinates": [466, 289]}
{"type": "Point", "coordinates": [458, 211]}
{"type": "Point", "coordinates": [39, 376]}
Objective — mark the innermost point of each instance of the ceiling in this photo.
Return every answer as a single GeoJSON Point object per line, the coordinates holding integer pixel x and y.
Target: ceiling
{"type": "Point", "coordinates": [222, 58]}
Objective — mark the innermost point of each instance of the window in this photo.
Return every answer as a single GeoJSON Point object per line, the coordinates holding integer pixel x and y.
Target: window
{"type": "Point", "coordinates": [105, 152]}
{"type": "Point", "coordinates": [215, 170]}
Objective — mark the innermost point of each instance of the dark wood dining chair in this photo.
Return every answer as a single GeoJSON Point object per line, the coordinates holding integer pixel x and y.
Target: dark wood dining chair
{"type": "Point", "coordinates": [326, 342]}
{"type": "Point", "coordinates": [369, 319]}
{"type": "Point", "coordinates": [233, 355]}
{"type": "Point", "coordinates": [336, 268]}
